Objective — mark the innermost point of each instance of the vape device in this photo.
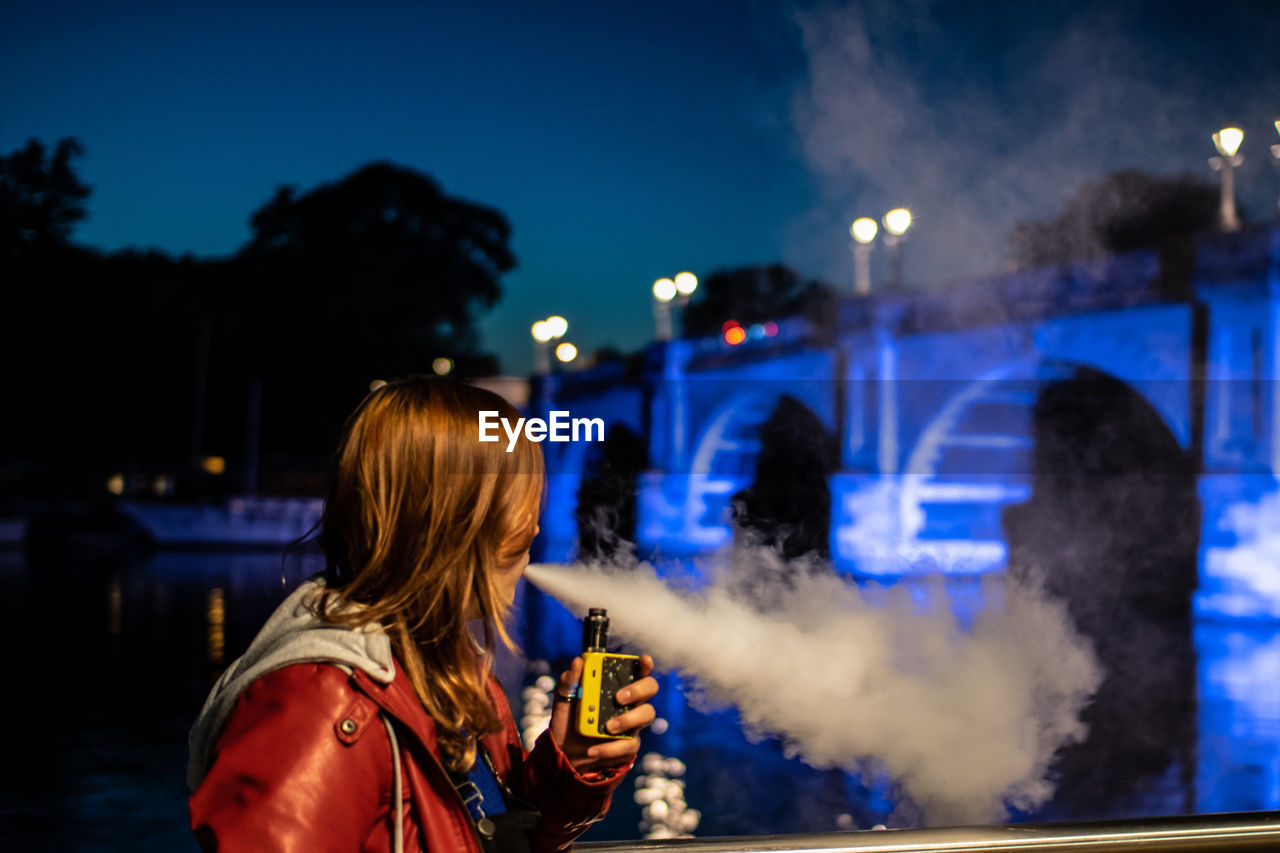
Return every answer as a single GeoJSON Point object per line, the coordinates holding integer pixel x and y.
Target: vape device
{"type": "Point", "coordinates": [603, 675]}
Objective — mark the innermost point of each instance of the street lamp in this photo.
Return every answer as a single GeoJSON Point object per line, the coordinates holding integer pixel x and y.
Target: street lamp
{"type": "Point", "coordinates": [544, 332]}
{"type": "Point", "coordinates": [1227, 141]}
{"type": "Point", "coordinates": [863, 231]}
{"type": "Point", "coordinates": [1275, 153]}
{"type": "Point", "coordinates": [668, 294]}
{"type": "Point", "coordinates": [896, 222]}
{"type": "Point", "coordinates": [566, 352]}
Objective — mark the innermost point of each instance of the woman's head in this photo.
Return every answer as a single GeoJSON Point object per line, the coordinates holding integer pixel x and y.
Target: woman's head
{"type": "Point", "coordinates": [428, 527]}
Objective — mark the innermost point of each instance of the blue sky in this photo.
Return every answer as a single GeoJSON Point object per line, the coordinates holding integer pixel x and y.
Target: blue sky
{"type": "Point", "coordinates": [626, 141]}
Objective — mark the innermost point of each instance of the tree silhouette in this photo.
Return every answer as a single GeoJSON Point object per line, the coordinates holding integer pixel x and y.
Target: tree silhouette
{"type": "Point", "coordinates": [1123, 212]}
{"type": "Point", "coordinates": [41, 197]}
{"type": "Point", "coordinates": [134, 360]}
{"type": "Point", "coordinates": [752, 295]}
{"type": "Point", "coordinates": [371, 277]}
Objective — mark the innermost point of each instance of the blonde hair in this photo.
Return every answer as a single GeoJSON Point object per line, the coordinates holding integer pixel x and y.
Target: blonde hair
{"type": "Point", "coordinates": [419, 516]}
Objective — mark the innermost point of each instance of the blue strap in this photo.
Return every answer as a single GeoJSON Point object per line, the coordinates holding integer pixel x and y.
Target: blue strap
{"type": "Point", "coordinates": [481, 792]}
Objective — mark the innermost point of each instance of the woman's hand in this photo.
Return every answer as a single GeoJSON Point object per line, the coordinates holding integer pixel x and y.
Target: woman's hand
{"type": "Point", "coordinates": [587, 753]}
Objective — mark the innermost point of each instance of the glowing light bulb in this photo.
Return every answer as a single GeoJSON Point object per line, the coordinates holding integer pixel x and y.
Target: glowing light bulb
{"type": "Point", "coordinates": [686, 283]}
{"type": "Point", "coordinates": [664, 290]}
{"type": "Point", "coordinates": [1228, 140]}
{"type": "Point", "coordinates": [541, 332]}
{"type": "Point", "coordinates": [566, 352]}
{"type": "Point", "coordinates": [864, 229]}
{"type": "Point", "coordinates": [897, 221]}
{"type": "Point", "coordinates": [557, 325]}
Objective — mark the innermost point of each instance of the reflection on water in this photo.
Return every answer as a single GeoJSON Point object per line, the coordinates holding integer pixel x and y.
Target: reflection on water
{"type": "Point", "coordinates": [216, 611]}
{"type": "Point", "coordinates": [116, 660]}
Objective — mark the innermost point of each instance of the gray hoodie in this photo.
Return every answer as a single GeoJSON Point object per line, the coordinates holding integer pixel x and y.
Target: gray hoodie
{"type": "Point", "coordinates": [293, 634]}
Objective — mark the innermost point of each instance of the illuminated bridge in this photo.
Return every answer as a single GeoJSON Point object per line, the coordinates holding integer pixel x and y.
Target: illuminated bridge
{"type": "Point", "coordinates": [943, 410]}
{"type": "Point", "coordinates": [1114, 426]}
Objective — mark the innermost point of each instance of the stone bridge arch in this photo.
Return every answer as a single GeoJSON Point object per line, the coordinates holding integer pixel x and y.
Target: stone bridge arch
{"type": "Point", "coordinates": [689, 510]}
{"type": "Point", "coordinates": [970, 461]}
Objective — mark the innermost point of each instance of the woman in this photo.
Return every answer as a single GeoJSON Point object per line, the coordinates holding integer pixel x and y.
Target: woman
{"type": "Point", "coordinates": [365, 709]}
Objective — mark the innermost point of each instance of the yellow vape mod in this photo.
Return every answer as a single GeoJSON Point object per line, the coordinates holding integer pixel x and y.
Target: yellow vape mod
{"type": "Point", "coordinates": [603, 675]}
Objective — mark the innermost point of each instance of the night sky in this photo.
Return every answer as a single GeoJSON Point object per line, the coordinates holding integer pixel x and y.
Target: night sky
{"type": "Point", "coordinates": [627, 141]}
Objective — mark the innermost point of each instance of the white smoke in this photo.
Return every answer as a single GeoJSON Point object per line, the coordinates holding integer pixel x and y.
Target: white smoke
{"type": "Point", "coordinates": [966, 721]}
{"type": "Point", "coordinates": [919, 103]}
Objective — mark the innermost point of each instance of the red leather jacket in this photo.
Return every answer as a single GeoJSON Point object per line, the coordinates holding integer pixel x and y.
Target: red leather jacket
{"type": "Point", "coordinates": [304, 764]}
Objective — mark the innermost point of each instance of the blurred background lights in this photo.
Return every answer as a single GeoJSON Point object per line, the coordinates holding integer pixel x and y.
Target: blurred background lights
{"type": "Point", "coordinates": [664, 290]}
{"type": "Point", "coordinates": [566, 352]}
{"type": "Point", "coordinates": [864, 229]}
{"type": "Point", "coordinates": [756, 332]}
{"type": "Point", "coordinates": [442, 366]}
{"type": "Point", "coordinates": [214, 464]}
{"type": "Point", "coordinates": [115, 484]}
{"type": "Point", "coordinates": [897, 221]}
{"type": "Point", "coordinates": [734, 335]}
{"type": "Point", "coordinates": [557, 325]}
{"type": "Point", "coordinates": [545, 331]}
{"type": "Point", "coordinates": [1228, 140]}
{"type": "Point", "coordinates": [670, 296]}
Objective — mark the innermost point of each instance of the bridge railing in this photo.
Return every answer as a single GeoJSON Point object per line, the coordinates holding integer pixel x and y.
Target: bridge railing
{"type": "Point", "coordinates": [1198, 833]}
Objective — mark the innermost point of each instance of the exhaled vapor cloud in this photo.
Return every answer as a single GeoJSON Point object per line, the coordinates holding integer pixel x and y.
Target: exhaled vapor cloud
{"type": "Point", "coordinates": [983, 120]}
{"type": "Point", "coordinates": [965, 721]}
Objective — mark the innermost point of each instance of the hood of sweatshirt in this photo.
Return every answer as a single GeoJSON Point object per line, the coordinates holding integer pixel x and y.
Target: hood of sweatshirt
{"type": "Point", "coordinates": [293, 634]}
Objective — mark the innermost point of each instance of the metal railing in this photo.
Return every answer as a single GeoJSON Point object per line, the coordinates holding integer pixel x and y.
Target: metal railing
{"type": "Point", "coordinates": [1189, 834]}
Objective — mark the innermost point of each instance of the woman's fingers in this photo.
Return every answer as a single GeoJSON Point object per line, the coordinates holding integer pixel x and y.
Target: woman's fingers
{"type": "Point", "coordinates": [569, 678]}
{"type": "Point", "coordinates": [560, 706]}
{"type": "Point", "coordinates": [585, 752]}
{"type": "Point", "coordinates": [638, 691]}
{"type": "Point", "coordinates": [614, 751]}
{"type": "Point", "coordinates": [634, 719]}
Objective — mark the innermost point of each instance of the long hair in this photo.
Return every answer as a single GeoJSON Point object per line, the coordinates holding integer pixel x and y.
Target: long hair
{"type": "Point", "coordinates": [420, 515]}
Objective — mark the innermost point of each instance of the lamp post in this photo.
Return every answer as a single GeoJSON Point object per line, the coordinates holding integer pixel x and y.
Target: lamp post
{"type": "Point", "coordinates": [1227, 141]}
{"type": "Point", "coordinates": [896, 222]}
{"type": "Point", "coordinates": [668, 294]}
{"type": "Point", "coordinates": [863, 231]}
{"type": "Point", "coordinates": [544, 332]}
{"type": "Point", "coordinates": [1275, 154]}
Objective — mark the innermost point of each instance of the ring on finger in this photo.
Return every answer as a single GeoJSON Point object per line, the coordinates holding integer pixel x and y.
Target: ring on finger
{"type": "Point", "coordinates": [575, 692]}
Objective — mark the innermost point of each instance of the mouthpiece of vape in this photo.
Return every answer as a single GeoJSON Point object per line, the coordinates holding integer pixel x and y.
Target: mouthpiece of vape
{"type": "Point", "coordinates": [595, 630]}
